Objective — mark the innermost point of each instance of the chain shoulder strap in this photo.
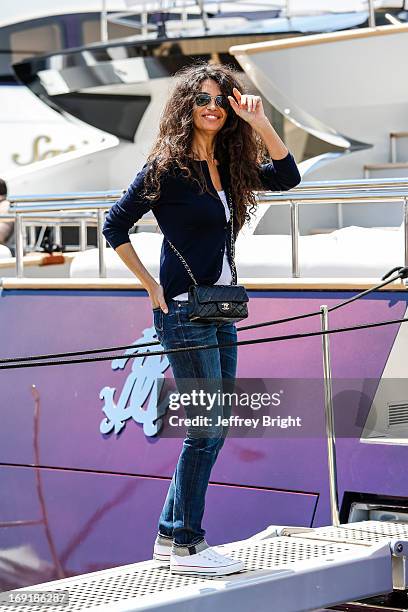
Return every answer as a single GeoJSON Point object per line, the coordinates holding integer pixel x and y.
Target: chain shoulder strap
{"type": "Point", "coordinates": [183, 261]}
{"type": "Point", "coordinates": [233, 269]}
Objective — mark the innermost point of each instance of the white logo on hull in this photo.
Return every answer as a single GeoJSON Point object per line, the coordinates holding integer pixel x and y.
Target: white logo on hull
{"type": "Point", "coordinates": [145, 381]}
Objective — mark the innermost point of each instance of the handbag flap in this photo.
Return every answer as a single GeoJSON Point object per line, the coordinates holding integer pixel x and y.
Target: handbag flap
{"type": "Point", "coordinates": [220, 293]}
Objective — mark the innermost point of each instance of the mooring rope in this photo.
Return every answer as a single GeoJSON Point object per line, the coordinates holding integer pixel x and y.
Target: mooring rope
{"type": "Point", "coordinates": [51, 359]}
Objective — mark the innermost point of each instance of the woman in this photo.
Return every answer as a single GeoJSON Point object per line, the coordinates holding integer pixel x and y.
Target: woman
{"type": "Point", "coordinates": [212, 139]}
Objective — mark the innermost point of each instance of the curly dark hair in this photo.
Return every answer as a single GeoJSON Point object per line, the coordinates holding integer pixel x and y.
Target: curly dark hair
{"type": "Point", "coordinates": [236, 144]}
{"type": "Point", "coordinates": [3, 187]}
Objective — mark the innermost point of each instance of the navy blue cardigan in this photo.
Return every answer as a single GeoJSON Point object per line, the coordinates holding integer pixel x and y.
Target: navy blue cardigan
{"type": "Point", "coordinates": [195, 223]}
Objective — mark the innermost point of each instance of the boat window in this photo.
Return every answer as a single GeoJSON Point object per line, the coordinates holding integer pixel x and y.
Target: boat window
{"type": "Point", "coordinates": [116, 114]}
{"type": "Point", "coordinates": [34, 41]}
{"type": "Point", "coordinates": [28, 39]}
{"type": "Point", "coordinates": [91, 31]}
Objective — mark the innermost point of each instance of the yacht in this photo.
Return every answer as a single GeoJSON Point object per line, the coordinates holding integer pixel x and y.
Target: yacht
{"type": "Point", "coordinates": [31, 131]}
{"type": "Point", "coordinates": [117, 85]}
{"type": "Point", "coordinates": [360, 109]}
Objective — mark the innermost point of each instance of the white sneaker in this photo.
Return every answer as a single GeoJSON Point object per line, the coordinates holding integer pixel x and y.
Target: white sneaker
{"type": "Point", "coordinates": [161, 550]}
{"type": "Point", "coordinates": [205, 563]}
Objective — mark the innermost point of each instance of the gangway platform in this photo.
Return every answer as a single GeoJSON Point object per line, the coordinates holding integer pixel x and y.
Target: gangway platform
{"type": "Point", "coordinates": [286, 568]}
{"type": "Point", "coordinates": [367, 533]}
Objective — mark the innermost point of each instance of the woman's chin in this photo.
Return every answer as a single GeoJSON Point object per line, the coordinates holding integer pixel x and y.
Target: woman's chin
{"type": "Point", "coordinates": [210, 129]}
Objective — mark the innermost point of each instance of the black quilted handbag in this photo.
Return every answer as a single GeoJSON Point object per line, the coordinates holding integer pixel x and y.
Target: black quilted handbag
{"type": "Point", "coordinates": [216, 302]}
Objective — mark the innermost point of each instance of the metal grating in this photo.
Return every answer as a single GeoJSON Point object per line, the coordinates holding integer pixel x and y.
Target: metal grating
{"type": "Point", "coordinates": [389, 529]}
{"type": "Point", "coordinates": [136, 582]}
{"type": "Point", "coordinates": [338, 534]}
{"type": "Point", "coordinates": [363, 532]}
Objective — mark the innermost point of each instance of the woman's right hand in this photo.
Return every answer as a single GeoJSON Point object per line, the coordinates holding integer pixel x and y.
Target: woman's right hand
{"type": "Point", "coordinates": [157, 298]}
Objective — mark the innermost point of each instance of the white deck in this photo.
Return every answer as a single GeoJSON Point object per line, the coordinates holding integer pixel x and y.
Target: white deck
{"type": "Point", "coordinates": [353, 252]}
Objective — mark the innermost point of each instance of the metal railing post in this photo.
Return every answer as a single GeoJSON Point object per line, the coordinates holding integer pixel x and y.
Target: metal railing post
{"type": "Point", "coordinates": [294, 232]}
{"type": "Point", "coordinates": [57, 234]}
{"type": "Point", "coordinates": [104, 22]}
{"type": "Point", "coordinates": [371, 14]}
{"type": "Point", "coordinates": [144, 20]}
{"type": "Point", "coordinates": [18, 229]}
{"type": "Point", "coordinates": [328, 405]}
{"type": "Point", "coordinates": [101, 244]}
{"type": "Point", "coordinates": [32, 240]}
{"type": "Point", "coordinates": [184, 17]}
{"type": "Point", "coordinates": [204, 17]}
{"type": "Point", "coordinates": [83, 239]}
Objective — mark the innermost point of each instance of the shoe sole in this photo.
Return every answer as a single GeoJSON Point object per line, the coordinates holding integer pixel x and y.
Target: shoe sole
{"type": "Point", "coordinates": [160, 559]}
{"type": "Point", "coordinates": [208, 572]}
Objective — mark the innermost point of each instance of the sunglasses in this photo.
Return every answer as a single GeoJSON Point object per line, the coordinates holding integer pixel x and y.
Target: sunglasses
{"type": "Point", "coordinates": [203, 99]}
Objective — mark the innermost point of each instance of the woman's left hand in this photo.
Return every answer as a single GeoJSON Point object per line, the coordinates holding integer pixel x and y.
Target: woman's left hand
{"type": "Point", "coordinates": [248, 107]}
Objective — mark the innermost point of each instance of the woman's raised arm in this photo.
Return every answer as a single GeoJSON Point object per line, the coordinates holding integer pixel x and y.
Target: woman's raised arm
{"type": "Point", "coordinates": [280, 174]}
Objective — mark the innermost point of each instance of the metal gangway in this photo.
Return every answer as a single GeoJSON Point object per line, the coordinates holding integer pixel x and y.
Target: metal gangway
{"type": "Point", "coordinates": [287, 569]}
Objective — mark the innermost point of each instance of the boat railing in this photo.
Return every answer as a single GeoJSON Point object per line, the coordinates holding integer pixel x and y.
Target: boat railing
{"type": "Point", "coordinates": [145, 8]}
{"type": "Point", "coordinates": [159, 8]}
{"type": "Point", "coordinates": [81, 209]}
{"type": "Point", "coordinates": [370, 8]}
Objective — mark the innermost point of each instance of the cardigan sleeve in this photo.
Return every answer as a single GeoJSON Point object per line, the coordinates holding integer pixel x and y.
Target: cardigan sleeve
{"type": "Point", "coordinates": [124, 213]}
{"type": "Point", "coordinates": [280, 174]}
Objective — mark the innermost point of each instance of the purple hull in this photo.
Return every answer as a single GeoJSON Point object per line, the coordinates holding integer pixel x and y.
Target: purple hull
{"type": "Point", "coordinates": [94, 499]}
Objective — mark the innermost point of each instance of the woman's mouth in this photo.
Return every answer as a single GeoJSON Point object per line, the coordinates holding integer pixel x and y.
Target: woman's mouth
{"type": "Point", "coordinates": [211, 117]}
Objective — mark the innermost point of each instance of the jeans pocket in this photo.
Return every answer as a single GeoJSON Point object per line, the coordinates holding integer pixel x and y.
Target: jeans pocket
{"type": "Point", "coordinates": [158, 318]}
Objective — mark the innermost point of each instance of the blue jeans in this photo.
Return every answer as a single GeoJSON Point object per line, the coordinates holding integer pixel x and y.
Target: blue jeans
{"type": "Point", "coordinates": [183, 509]}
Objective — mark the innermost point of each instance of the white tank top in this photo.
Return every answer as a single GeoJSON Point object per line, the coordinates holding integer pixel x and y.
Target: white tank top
{"type": "Point", "coordinates": [225, 277]}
